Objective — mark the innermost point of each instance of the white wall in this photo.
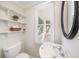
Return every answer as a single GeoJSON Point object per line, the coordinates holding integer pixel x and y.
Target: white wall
{"type": "Point", "coordinates": [31, 45]}
{"type": "Point", "coordinates": [12, 6]}
{"type": "Point", "coordinates": [57, 25]}
{"type": "Point", "coordinates": [9, 38]}
{"type": "Point", "coordinates": [71, 46]}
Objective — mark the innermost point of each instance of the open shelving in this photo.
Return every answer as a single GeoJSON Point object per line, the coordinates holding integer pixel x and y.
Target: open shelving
{"type": "Point", "coordinates": [6, 20]}
{"type": "Point", "coordinates": [13, 21]}
{"type": "Point", "coordinates": [4, 32]}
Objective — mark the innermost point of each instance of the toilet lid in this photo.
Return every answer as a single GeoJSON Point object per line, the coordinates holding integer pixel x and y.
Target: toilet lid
{"type": "Point", "coordinates": [23, 55]}
{"type": "Point", "coordinates": [48, 50]}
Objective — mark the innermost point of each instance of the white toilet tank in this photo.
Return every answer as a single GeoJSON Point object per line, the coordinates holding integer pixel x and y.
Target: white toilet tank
{"type": "Point", "coordinates": [13, 50]}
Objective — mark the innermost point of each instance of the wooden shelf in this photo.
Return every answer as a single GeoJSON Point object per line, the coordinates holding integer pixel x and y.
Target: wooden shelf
{"type": "Point", "coordinates": [13, 21]}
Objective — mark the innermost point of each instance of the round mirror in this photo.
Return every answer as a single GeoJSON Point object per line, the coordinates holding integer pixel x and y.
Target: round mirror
{"type": "Point", "coordinates": [69, 19]}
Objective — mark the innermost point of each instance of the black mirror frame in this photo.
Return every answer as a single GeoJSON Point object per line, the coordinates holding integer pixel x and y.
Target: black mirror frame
{"type": "Point", "coordinates": [74, 28]}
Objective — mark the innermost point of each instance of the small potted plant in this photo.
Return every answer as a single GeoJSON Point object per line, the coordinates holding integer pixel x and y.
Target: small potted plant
{"type": "Point", "coordinates": [15, 18]}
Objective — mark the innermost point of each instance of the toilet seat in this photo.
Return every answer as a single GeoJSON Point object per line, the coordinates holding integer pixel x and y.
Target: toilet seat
{"type": "Point", "coordinates": [23, 55]}
{"type": "Point", "coordinates": [49, 50]}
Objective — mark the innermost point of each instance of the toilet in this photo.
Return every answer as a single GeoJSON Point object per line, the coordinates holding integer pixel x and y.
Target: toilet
{"type": "Point", "coordinates": [14, 51]}
{"type": "Point", "coordinates": [46, 50]}
{"type": "Point", "coordinates": [51, 50]}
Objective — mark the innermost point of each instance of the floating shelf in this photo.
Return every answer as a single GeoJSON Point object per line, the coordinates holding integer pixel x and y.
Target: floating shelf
{"type": "Point", "coordinates": [4, 32]}
{"type": "Point", "coordinates": [9, 22]}
{"type": "Point", "coordinates": [12, 21]}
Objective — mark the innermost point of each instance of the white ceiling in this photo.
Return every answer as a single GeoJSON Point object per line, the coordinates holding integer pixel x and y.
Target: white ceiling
{"type": "Point", "coordinates": [23, 4]}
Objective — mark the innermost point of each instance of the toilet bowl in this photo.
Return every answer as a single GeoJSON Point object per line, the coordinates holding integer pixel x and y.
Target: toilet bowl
{"type": "Point", "coordinates": [14, 51]}
{"type": "Point", "coordinates": [50, 50]}
{"type": "Point", "coordinates": [22, 55]}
